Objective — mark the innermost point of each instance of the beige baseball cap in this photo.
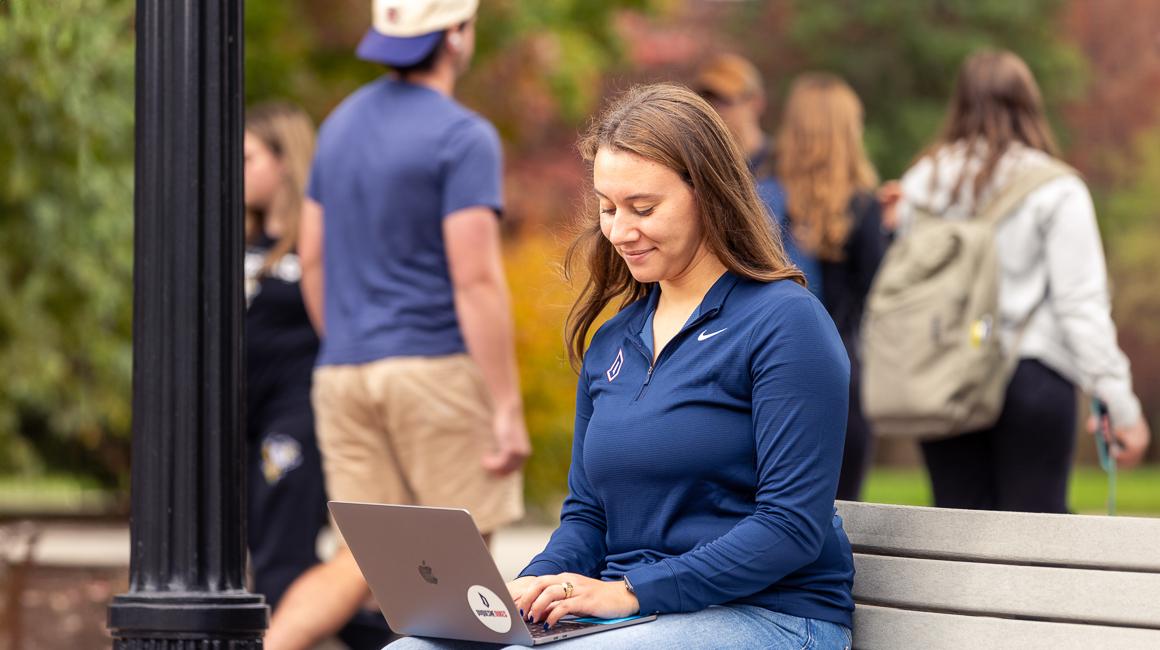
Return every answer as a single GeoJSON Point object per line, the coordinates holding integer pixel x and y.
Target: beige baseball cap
{"type": "Point", "coordinates": [404, 32]}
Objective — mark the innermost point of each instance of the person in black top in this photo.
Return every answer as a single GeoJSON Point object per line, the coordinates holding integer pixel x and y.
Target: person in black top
{"type": "Point", "coordinates": [835, 218]}
{"type": "Point", "coordinates": [287, 495]}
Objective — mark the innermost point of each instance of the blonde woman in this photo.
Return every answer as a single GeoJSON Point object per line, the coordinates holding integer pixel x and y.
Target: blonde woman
{"type": "Point", "coordinates": [287, 497]}
{"type": "Point", "coordinates": [1053, 296]}
{"type": "Point", "coordinates": [834, 218]}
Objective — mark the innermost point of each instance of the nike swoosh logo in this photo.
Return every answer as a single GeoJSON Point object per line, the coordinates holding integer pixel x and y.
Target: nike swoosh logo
{"type": "Point", "coordinates": [702, 336]}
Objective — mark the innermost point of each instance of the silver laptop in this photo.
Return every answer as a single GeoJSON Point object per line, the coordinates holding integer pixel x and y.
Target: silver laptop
{"type": "Point", "coordinates": [433, 576]}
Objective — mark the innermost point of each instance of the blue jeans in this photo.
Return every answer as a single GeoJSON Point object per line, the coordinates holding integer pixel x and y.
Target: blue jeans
{"type": "Point", "coordinates": [726, 627]}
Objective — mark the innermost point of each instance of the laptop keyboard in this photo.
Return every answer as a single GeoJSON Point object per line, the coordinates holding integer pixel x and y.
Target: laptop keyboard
{"type": "Point", "coordinates": [538, 631]}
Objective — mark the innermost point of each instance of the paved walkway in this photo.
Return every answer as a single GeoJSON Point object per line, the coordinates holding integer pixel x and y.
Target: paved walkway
{"type": "Point", "coordinates": [104, 545]}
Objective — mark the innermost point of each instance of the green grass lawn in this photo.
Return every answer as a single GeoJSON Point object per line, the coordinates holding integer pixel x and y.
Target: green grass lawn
{"type": "Point", "coordinates": [1137, 491]}
{"type": "Point", "coordinates": [53, 494]}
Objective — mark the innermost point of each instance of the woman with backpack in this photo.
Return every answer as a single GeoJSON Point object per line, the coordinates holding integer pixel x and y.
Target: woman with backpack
{"type": "Point", "coordinates": [834, 217]}
{"type": "Point", "coordinates": [1053, 313]}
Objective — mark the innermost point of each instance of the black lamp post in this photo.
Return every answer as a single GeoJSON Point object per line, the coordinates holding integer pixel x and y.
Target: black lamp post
{"type": "Point", "coordinates": [187, 587]}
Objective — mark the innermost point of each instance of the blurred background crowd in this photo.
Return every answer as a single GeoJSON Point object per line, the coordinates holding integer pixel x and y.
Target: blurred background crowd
{"type": "Point", "coordinates": [66, 155]}
{"type": "Point", "coordinates": [541, 69]}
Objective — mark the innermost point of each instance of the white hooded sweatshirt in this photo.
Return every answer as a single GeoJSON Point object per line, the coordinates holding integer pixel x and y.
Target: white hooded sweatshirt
{"type": "Point", "coordinates": [1052, 277]}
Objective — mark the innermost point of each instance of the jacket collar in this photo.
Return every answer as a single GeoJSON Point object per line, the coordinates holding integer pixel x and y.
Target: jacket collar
{"type": "Point", "coordinates": [712, 302]}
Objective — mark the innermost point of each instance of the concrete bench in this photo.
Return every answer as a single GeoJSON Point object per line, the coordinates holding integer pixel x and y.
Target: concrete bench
{"type": "Point", "coordinates": [935, 579]}
{"type": "Point", "coordinates": [948, 579]}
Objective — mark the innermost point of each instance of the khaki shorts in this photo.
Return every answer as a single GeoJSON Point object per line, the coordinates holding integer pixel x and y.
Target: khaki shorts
{"type": "Point", "coordinates": [412, 431]}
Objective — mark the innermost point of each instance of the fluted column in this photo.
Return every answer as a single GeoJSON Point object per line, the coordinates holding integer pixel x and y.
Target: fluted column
{"type": "Point", "coordinates": [187, 587]}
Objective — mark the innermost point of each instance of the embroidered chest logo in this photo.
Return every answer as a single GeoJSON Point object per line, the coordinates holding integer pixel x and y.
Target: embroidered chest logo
{"type": "Point", "coordinates": [617, 364]}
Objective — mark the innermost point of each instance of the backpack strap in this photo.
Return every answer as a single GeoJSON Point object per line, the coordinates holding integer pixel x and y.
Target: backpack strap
{"type": "Point", "coordinates": [1027, 181]}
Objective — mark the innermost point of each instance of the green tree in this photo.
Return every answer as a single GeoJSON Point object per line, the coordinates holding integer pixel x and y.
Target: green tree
{"type": "Point", "coordinates": [66, 198]}
{"type": "Point", "coordinates": [902, 56]}
{"type": "Point", "coordinates": [66, 128]}
{"type": "Point", "coordinates": [1130, 223]}
{"type": "Point", "coordinates": [538, 65]}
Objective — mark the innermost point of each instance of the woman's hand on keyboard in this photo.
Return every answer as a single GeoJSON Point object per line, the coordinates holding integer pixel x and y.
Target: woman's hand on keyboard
{"type": "Point", "coordinates": [547, 599]}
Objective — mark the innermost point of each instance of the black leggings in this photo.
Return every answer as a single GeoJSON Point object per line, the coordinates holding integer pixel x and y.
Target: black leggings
{"type": "Point", "coordinates": [859, 442]}
{"type": "Point", "coordinates": [1022, 463]}
{"type": "Point", "coordinates": [287, 509]}
{"type": "Point", "coordinates": [287, 498]}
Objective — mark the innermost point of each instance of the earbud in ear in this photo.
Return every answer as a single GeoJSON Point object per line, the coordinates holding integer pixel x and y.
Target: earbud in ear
{"type": "Point", "coordinates": [454, 39]}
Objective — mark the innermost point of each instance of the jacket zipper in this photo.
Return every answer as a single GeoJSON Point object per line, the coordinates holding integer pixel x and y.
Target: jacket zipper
{"type": "Point", "coordinates": [653, 364]}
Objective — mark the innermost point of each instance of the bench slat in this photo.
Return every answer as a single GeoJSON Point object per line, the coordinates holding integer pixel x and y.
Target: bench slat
{"type": "Point", "coordinates": [885, 628]}
{"type": "Point", "coordinates": [1119, 543]}
{"type": "Point", "coordinates": [1078, 595]}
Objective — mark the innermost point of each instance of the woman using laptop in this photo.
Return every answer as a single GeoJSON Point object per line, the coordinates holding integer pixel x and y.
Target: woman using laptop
{"type": "Point", "coordinates": [710, 410]}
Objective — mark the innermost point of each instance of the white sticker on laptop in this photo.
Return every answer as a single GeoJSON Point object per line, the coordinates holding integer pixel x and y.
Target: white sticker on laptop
{"type": "Point", "coordinates": [489, 609]}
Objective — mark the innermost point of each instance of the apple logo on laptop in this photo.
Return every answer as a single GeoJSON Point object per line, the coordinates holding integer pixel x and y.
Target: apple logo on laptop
{"type": "Point", "coordinates": [427, 574]}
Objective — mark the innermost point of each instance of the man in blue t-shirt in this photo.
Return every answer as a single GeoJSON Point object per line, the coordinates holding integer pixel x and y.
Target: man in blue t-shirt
{"type": "Point", "coordinates": [416, 392]}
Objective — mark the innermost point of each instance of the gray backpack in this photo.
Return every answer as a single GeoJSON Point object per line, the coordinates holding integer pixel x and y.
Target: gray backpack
{"type": "Point", "coordinates": [932, 363]}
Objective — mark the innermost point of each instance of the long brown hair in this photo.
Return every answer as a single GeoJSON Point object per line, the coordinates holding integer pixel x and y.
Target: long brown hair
{"type": "Point", "coordinates": [996, 103]}
{"type": "Point", "coordinates": [821, 161]}
{"type": "Point", "coordinates": [289, 134]}
{"type": "Point", "coordinates": [672, 126]}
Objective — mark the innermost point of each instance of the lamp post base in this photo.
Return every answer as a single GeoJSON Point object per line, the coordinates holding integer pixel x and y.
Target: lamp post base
{"type": "Point", "coordinates": [188, 621]}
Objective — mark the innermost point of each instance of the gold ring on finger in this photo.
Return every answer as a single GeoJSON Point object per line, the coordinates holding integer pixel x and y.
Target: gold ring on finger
{"type": "Point", "coordinates": [568, 588]}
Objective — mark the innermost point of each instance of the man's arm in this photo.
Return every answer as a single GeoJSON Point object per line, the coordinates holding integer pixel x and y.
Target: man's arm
{"type": "Point", "coordinates": [318, 604]}
{"type": "Point", "coordinates": [471, 237]}
{"type": "Point", "coordinates": [310, 257]}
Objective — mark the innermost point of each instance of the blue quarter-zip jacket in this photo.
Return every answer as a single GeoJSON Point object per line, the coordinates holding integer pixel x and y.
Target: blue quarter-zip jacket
{"type": "Point", "coordinates": [709, 476]}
